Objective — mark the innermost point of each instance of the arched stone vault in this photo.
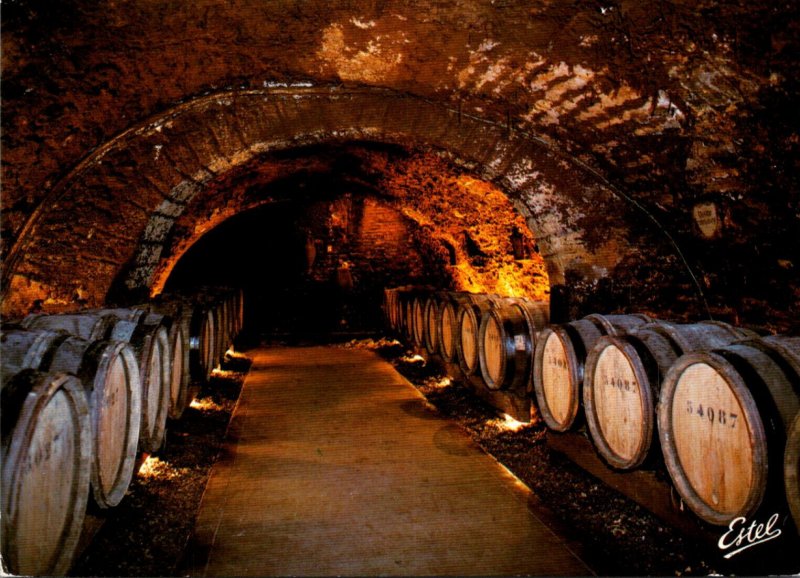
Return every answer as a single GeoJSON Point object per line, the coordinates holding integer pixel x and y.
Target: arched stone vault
{"type": "Point", "coordinates": [121, 202]}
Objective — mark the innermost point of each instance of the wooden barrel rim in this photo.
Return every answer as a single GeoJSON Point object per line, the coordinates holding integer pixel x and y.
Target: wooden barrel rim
{"type": "Point", "coordinates": [755, 433]}
{"type": "Point", "coordinates": [450, 310]}
{"type": "Point", "coordinates": [418, 309]}
{"type": "Point", "coordinates": [672, 332]}
{"type": "Point", "coordinates": [399, 304]}
{"type": "Point", "coordinates": [603, 324]}
{"type": "Point", "coordinates": [16, 453]}
{"type": "Point", "coordinates": [38, 345]}
{"type": "Point", "coordinates": [492, 316]}
{"type": "Point", "coordinates": [409, 317]}
{"type": "Point", "coordinates": [631, 354]}
{"type": "Point", "coordinates": [533, 330]}
{"type": "Point", "coordinates": [207, 342]}
{"type": "Point", "coordinates": [432, 307]}
{"type": "Point", "coordinates": [179, 390]}
{"type": "Point", "coordinates": [156, 409]}
{"type": "Point", "coordinates": [538, 386]}
{"type": "Point", "coordinates": [788, 356]}
{"type": "Point", "coordinates": [467, 311]}
{"type": "Point", "coordinates": [608, 327]}
{"type": "Point", "coordinates": [239, 310]}
{"type": "Point", "coordinates": [109, 493]}
{"type": "Point", "coordinates": [390, 308]}
{"type": "Point", "coordinates": [741, 332]}
{"type": "Point", "coordinates": [791, 470]}
{"type": "Point", "coordinates": [221, 333]}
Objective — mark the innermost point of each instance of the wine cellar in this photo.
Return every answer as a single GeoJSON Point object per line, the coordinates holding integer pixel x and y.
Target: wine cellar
{"type": "Point", "coordinates": [413, 287]}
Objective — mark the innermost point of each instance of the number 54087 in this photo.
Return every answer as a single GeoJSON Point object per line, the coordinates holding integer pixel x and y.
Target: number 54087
{"type": "Point", "coordinates": [718, 416]}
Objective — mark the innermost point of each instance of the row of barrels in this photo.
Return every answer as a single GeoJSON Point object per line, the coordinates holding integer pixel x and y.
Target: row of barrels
{"type": "Point", "coordinates": [485, 335]}
{"type": "Point", "coordinates": [83, 396]}
{"type": "Point", "coordinates": [717, 405]}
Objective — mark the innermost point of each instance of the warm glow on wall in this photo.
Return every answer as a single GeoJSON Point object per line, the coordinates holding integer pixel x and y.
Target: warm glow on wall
{"type": "Point", "coordinates": [487, 241]}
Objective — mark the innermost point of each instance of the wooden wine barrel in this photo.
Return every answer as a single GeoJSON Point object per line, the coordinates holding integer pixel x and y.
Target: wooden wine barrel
{"type": "Point", "coordinates": [230, 307]}
{"type": "Point", "coordinates": [389, 296]}
{"type": "Point", "coordinates": [203, 341]}
{"type": "Point", "coordinates": [213, 299]}
{"type": "Point", "coordinates": [231, 314]}
{"type": "Point", "coordinates": [175, 320]}
{"type": "Point", "coordinates": [420, 321]}
{"type": "Point", "coordinates": [149, 340]}
{"type": "Point", "coordinates": [559, 359]}
{"type": "Point", "coordinates": [469, 318]}
{"type": "Point", "coordinates": [239, 310]}
{"type": "Point", "coordinates": [179, 367]}
{"type": "Point", "coordinates": [198, 321]}
{"type": "Point", "coordinates": [723, 418]}
{"type": "Point", "coordinates": [537, 314]}
{"type": "Point", "coordinates": [110, 376]}
{"type": "Point", "coordinates": [407, 301]}
{"type": "Point", "coordinates": [408, 316]}
{"type": "Point", "coordinates": [223, 334]}
{"type": "Point", "coordinates": [149, 343]}
{"type": "Point", "coordinates": [507, 337]}
{"type": "Point", "coordinates": [623, 379]}
{"type": "Point", "coordinates": [46, 463]}
{"type": "Point", "coordinates": [391, 308]}
{"type": "Point", "coordinates": [791, 470]}
{"type": "Point", "coordinates": [152, 349]}
{"type": "Point", "coordinates": [399, 310]}
{"type": "Point", "coordinates": [386, 304]}
{"type": "Point", "coordinates": [448, 325]}
{"type": "Point", "coordinates": [432, 317]}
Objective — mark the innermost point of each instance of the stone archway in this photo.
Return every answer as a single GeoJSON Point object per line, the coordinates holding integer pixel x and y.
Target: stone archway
{"type": "Point", "coordinates": [116, 209]}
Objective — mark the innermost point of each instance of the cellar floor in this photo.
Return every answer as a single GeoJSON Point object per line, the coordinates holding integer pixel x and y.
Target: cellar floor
{"type": "Point", "coordinates": [334, 465]}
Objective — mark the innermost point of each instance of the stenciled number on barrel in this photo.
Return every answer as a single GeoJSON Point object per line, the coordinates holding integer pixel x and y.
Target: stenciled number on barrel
{"type": "Point", "coordinates": [719, 416]}
{"type": "Point", "coordinates": [622, 384]}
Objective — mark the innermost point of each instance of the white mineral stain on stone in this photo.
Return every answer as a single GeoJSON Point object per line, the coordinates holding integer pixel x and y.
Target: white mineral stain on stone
{"type": "Point", "coordinates": [641, 113]}
{"type": "Point", "coordinates": [487, 45]}
{"type": "Point", "coordinates": [542, 80]}
{"type": "Point", "coordinates": [363, 24]}
{"type": "Point", "coordinates": [619, 98]}
{"type": "Point", "coordinates": [521, 173]}
{"type": "Point", "coordinates": [495, 71]}
{"type": "Point", "coordinates": [374, 62]}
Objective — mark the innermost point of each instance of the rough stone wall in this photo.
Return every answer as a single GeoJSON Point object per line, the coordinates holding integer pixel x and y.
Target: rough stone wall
{"type": "Point", "coordinates": [687, 108]}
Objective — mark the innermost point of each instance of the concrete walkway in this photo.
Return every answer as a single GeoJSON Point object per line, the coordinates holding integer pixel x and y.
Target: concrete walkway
{"type": "Point", "coordinates": [334, 466]}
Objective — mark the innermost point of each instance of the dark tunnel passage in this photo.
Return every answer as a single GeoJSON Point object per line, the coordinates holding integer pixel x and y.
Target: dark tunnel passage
{"type": "Point", "coordinates": [314, 249]}
{"type": "Point", "coordinates": [301, 276]}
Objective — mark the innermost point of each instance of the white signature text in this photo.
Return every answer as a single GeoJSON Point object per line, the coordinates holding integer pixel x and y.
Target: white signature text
{"type": "Point", "coordinates": [742, 537]}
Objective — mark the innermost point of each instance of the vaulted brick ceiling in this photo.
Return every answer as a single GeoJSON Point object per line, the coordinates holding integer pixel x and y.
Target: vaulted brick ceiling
{"type": "Point", "coordinates": [674, 122]}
